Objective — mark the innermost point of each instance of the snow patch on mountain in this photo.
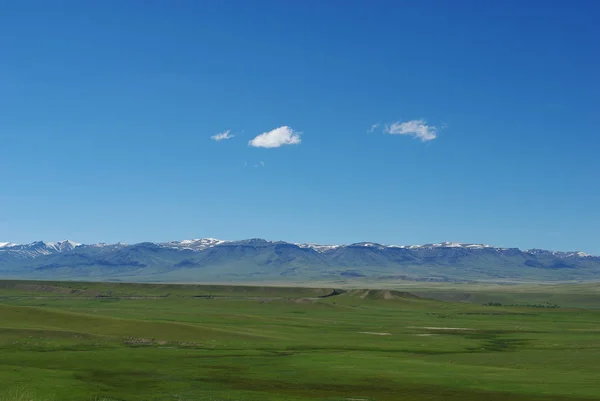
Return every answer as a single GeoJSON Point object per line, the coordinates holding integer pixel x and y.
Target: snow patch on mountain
{"type": "Point", "coordinates": [476, 246]}
{"type": "Point", "coordinates": [39, 248]}
{"type": "Point", "coordinates": [559, 254]}
{"type": "Point", "coordinates": [367, 245]}
{"type": "Point", "coordinates": [317, 247]}
{"type": "Point", "coordinates": [443, 245]}
{"type": "Point", "coordinates": [62, 246]}
{"type": "Point", "coordinates": [456, 245]}
{"type": "Point", "coordinates": [198, 244]}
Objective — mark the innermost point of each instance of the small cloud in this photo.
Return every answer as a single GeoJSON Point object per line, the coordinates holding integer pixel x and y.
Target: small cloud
{"type": "Point", "coordinates": [416, 128]}
{"type": "Point", "coordinates": [276, 138]}
{"type": "Point", "coordinates": [262, 163]}
{"type": "Point", "coordinates": [222, 136]}
{"type": "Point", "coordinates": [373, 128]}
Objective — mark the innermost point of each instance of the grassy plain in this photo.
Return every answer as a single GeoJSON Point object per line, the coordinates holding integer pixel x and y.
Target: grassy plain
{"type": "Point", "coordinates": [133, 342]}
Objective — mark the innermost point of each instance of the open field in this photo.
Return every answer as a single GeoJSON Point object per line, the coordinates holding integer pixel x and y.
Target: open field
{"type": "Point", "coordinates": [133, 342]}
{"type": "Point", "coordinates": [583, 295]}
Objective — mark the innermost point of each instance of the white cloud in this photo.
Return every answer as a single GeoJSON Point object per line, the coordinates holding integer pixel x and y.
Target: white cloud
{"type": "Point", "coordinates": [416, 128]}
{"type": "Point", "coordinates": [276, 138]}
{"type": "Point", "coordinates": [222, 135]}
{"type": "Point", "coordinates": [373, 128]}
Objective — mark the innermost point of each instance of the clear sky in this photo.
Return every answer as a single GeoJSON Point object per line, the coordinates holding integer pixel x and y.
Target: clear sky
{"type": "Point", "coordinates": [484, 120]}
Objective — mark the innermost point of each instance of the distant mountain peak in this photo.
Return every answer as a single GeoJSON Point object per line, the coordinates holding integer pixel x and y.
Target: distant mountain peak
{"type": "Point", "coordinates": [193, 244]}
{"type": "Point", "coordinates": [454, 245]}
{"type": "Point", "coordinates": [560, 254]}
{"type": "Point", "coordinates": [66, 242]}
{"type": "Point", "coordinates": [367, 244]}
{"type": "Point", "coordinates": [317, 247]}
{"type": "Point", "coordinates": [255, 242]}
{"type": "Point", "coordinates": [61, 246]}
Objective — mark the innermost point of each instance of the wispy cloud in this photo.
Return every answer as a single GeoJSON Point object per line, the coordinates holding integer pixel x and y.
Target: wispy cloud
{"type": "Point", "coordinates": [258, 164]}
{"type": "Point", "coordinates": [416, 128]}
{"type": "Point", "coordinates": [221, 136]}
{"type": "Point", "coordinates": [373, 128]}
{"type": "Point", "coordinates": [276, 138]}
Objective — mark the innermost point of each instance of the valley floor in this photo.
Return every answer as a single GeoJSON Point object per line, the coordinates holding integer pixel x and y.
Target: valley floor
{"type": "Point", "coordinates": [133, 342]}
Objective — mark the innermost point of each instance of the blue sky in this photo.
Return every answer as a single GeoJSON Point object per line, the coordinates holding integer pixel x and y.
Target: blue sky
{"type": "Point", "coordinates": [487, 120]}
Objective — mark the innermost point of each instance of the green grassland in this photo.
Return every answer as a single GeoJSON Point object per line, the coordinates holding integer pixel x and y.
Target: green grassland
{"type": "Point", "coordinates": [108, 341]}
{"type": "Point", "coordinates": [582, 295]}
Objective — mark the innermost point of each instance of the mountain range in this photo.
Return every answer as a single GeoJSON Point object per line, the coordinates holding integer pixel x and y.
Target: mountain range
{"type": "Point", "coordinates": [259, 260]}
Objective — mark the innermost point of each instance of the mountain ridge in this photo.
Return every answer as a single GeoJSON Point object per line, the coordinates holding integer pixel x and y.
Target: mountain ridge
{"type": "Point", "coordinates": [256, 259]}
{"type": "Point", "coordinates": [204, 243]}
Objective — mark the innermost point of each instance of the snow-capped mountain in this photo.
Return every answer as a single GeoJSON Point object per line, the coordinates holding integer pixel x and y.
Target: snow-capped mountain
{"type": "Point", "coordinates": [318, 248]}
{"type": "Point", "coordinates": [559, 254]}
{"type": "Point", "coordinates": [38, 248]}
{"type": "Point", "coordinates": [194, 244]}
{"type": "Point", "coordinates": [258, 259]}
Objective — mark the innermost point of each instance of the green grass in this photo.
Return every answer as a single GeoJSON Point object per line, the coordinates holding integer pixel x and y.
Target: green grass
{"type": "Point", "coordinates": [131, 342]}
{"type": "Point", "coordinates": [565, 295]}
